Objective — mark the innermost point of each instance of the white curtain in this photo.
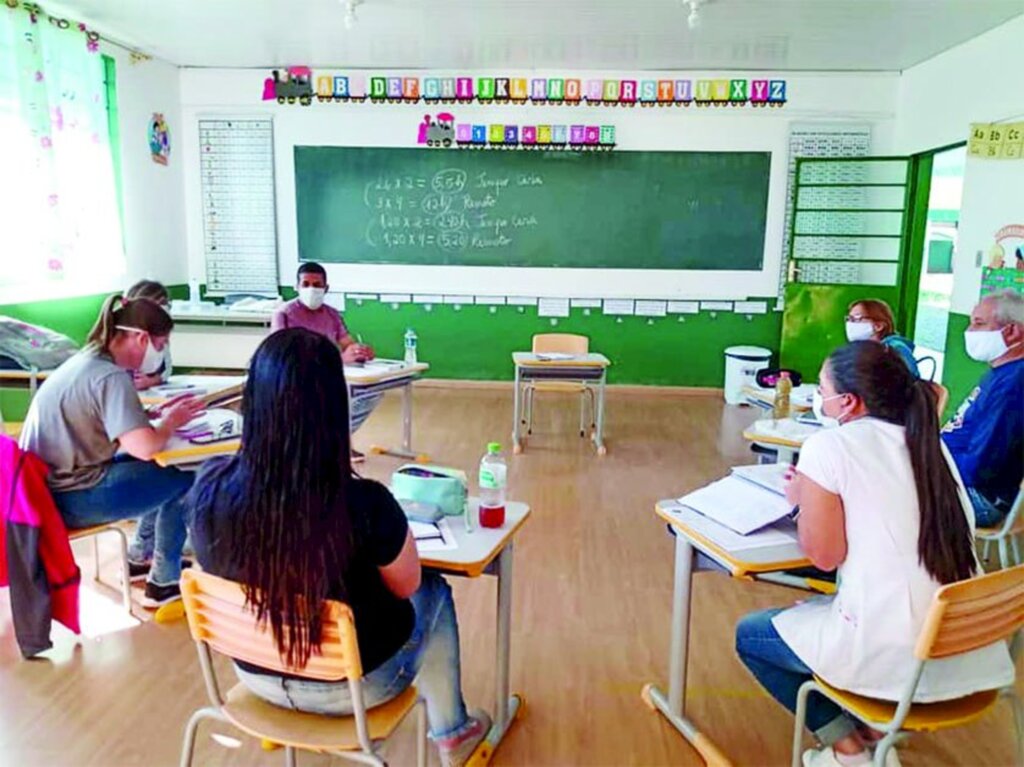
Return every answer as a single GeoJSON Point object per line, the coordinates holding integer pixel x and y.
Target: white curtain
{"type": "Point", "coordinates": [59, 220]}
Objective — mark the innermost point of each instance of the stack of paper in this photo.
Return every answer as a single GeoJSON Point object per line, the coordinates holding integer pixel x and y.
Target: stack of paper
{"type": "Point", "coordinates": [555, 356]}
{"type": "Point", "coordinates": [740, 505]}
{"type": "Point", "coordinates": [770, 476]}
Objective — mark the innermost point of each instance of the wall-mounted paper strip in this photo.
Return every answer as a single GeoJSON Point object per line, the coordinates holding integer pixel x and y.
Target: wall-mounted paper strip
{"type": "Point", "coordinates": [521, 301]}
{"type": "Point", "coordinates": [458, 300]}
{"type": "Point", "coordinates": [750, 307]}
{"type": "Point", "coordinates": [585, 303]}
{"type": "Point", "coordinates": [716, 306]}
{"type": "Point", "coordinates": [395, 298]}
{"type": "Point", "coordinates": [684, 307]}
{"type": "Point", "coordinates": [618, 306]}
{"type": "Point", "coordinates": [553, 307]}
{"type": "Point", "coordinates": [336, 301]}
{"type": "Point", "coordinates": [428, 299]}
{"type": "Point", "coordinates": [490, 300]}
{"type": "Point", "coordinates": [361, 296]}
{"type": "Point", "coordinates": [651, 308]}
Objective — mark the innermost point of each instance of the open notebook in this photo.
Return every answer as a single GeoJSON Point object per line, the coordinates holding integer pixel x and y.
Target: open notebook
{"type": "Point", "coordinates": [741, 505]}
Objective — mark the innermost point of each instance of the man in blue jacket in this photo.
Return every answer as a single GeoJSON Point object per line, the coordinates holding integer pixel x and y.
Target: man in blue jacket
{"type": "Point", "coordinates": [986, 437]}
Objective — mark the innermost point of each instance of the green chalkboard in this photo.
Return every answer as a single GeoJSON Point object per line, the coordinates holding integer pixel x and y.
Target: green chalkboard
{"type": "Point", "coordinates": [617, 210]}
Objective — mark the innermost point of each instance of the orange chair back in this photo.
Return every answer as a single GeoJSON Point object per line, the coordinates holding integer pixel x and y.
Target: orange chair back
{"type": "Point", "coordinates": [218, 616]}
{"type": "Point", "coordinates": [974, 613]}
{"type": "Point", "coordinates": [560, 343]}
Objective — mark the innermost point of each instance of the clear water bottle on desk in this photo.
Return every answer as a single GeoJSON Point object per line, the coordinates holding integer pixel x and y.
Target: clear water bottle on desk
{"type": "Point", "coordinates": [493, 477]}
{"type": "Point", "coordinates": [410, 347]}
{"type": "Point", "coordinates": [783, 390]}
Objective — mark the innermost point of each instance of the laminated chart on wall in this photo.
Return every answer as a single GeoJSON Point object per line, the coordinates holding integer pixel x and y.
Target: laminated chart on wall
{"type": "Point", "coordinates": [236, 160]}
{"type": "Point", "coordinates": [996, 141]}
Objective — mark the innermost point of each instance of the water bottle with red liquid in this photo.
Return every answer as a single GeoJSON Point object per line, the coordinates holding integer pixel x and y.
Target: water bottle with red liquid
{"type": "Point", "coordinates": [492, 481]}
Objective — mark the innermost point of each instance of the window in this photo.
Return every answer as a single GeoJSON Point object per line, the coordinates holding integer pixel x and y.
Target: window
{"type": "Point", "coordinates": [59, 225]}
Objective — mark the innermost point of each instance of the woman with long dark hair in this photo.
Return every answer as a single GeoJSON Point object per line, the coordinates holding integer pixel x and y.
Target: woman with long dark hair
{"type": "Point", "coordinates": [287, 519]}
{"type": "Point", "coordinates": [880, 499]}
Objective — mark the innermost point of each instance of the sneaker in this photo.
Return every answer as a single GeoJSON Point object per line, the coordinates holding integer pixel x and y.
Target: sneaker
{"type": "Point", "coordinates": [458, 753]}
{"type": "Point", "coordinates": [137, 571]}
{"type": "Point", "coordinates": [157, 595]}
{"type": "Point", "coordinates": [358, 457]}
{"type": "Point", "coordinates": [826, 757]}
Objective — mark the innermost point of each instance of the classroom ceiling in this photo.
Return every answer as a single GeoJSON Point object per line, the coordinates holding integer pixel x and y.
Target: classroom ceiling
{"type": "Point", "coordinates": [851, 35]}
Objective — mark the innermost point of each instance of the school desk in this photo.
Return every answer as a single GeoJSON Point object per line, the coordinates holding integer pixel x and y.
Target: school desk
{"type": "Point", "coordinates": [578, 368]}
{"type": "Point", "coordinates": [799, 399]}
{"type": "Point", "coordinates": [379, 376]}
{"type": "Point", "coordinates": [488, 551]}
{"type": "Point", "coordinates": [200, 385]}
{"type": "Point", "coordinates": [784, 435]}
{"type": "Point", "coordinates": [19, 379]}
{"type": "Point", "coordinates": [217, 338]}
{"type": "Point", "coordinates": [695, 533]}
{"type": "Point", "coordinates": [181, 452]}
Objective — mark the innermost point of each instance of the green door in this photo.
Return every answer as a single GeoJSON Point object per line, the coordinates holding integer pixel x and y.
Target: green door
{"type": "Point", "coordinates": [852, 237]}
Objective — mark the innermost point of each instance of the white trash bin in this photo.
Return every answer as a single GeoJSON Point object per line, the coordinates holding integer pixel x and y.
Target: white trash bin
{"type": "Point", "coordinates": [741, 365]}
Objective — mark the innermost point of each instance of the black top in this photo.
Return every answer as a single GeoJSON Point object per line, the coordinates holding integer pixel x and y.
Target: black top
{"type": "Point", "coordinates": [379, 528]}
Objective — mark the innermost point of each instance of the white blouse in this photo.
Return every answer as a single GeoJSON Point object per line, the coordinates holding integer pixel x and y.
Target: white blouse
{"type": "Point", "coordinates": [862, 638]}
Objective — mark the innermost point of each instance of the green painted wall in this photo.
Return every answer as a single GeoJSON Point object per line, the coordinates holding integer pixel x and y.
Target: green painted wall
{"type": "Point", "coordinates": [960, 373]}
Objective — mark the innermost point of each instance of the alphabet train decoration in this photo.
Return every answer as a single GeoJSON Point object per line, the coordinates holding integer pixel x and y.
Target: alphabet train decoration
{"type": "Point", "coordinates": [300, 85]}
{"type": "Point", "coordinates": [441, 131]}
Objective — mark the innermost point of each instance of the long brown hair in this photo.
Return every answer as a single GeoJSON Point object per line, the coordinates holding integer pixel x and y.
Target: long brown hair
{"type": "Point", "coordinates": [151, 289]}
{"type": "Point", "coordinates": [140, 313]}
{"type": "Point", "coordinates": [878, 375]}
{"type": "Point", "coordinates": [290, 535]}
{"type": "Point", "coordinates": [877, 310]}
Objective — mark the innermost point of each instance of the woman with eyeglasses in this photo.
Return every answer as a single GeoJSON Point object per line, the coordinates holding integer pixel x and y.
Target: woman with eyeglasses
{"type": "Point", "coordinates": [88, 425]}
{"type": "Point", "coordinates": [872, 320]}
{"type": "Point", "coordinates": [880, 500]}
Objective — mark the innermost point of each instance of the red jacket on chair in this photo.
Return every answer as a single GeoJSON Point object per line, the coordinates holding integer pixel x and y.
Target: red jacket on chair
{"type": "Point", "coordinates": [35, 553]}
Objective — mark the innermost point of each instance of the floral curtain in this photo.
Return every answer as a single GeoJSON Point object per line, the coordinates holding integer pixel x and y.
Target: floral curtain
{"type": "Point", "coordinates": [59, 219]}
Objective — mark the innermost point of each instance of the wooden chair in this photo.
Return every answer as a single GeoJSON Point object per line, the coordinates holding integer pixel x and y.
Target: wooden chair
{"type": "Point", "coordinates": [1005, 534]}
{"type": "Point", "coordinates": [219, 620]}
{"type": "Point", "coordinates": [964, 616]}
{"type": "Point", "coordinates": [941, 397]}
{"type": "Point", "coordinates": [560, 343]}
{"type": "Point", "coordinates": [94, 532]}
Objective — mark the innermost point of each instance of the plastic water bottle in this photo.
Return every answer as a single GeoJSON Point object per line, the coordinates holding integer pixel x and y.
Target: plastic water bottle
{"type": "Point", "coordinates": [410, 347]}
{"type": "Point", "coordinates": [783, 389]}
{"type": "Point", "coordinates": [493, 476]}
{"type": "Point", "coordinates": [194, 297]}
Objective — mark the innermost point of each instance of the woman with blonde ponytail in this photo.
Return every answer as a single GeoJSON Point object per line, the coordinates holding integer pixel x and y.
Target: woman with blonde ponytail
{"type": "Point", "coordinates": [88, 410]}
{"type": "Point", "coordinates": [881, 501]}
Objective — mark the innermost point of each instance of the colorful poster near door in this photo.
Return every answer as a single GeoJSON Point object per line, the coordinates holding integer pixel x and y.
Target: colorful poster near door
{"type": "Point", "coordinates": [1005, 267]}
{"type": "Point", "coordinates": [159, 139]}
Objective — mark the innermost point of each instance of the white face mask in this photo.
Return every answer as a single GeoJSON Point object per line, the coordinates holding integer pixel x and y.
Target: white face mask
{"type": "Point", "coordinates": [985, 345]}
{"type": "Point", "coordinates": [818, 406]}
{"type": "Point", "coordinates": [153, 359]}
{"type": "Point", "coordinates": [859, 331]}
{"type": "Point", "coordinates": [312, 298]}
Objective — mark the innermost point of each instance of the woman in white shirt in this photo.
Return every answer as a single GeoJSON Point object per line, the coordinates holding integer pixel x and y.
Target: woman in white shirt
{"type": "Point", "coordinates": [880, 500]}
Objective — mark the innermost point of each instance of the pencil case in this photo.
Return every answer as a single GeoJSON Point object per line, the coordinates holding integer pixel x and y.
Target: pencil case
{"type": "Point", "coordinates": [445, 488]}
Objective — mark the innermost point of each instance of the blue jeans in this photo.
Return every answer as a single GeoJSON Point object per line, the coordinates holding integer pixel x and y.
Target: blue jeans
{"type": "Point", "coordinates": [431, 657]}
{"type": "Point", "coordinates": [132, 489]}
{"type": "Point", "coordinates": [986, 513]}
{"type": "Point", "coordinates": [781, 673]}
{"type": "Point", "coordinates": [359, 409]}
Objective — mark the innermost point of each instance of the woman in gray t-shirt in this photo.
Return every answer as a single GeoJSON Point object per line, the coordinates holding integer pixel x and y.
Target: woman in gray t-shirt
{"type": "Point", "coordinates": [88, 410]}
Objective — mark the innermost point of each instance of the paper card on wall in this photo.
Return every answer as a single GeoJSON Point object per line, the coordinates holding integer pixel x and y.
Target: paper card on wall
{"type": "Point", "coordinates": [553, 307]}
{"type": "Point", "coordinates": [750, 307]}
{"type": "Point", "coordinates": [458, 300]}
{"type": "Point", "coordinates": [585, 303]}
{"type": "Point", "coordinates": [428, 299]}
{"type": "Point", "coordinates": [395, 298]}
{"type": "Point", "coordinates": [618, 306]}
{"type": "Point", "coordinates": [335, 300]}
{"type": "Point", "coordinates": [716, 306]}
{"type": "Point", "coordinates": [490, 300]}
{"type": "Point", "coordinates": [521, 301]}
{"type": "Point", "coordinates": [361, 296]}
{"type": "Point", "coordinates": [651, 308]}
{"type": "Point", "coordinates": [683, 307]}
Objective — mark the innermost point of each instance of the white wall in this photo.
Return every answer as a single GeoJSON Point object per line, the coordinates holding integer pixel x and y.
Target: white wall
{"type": "Point", "coordinates": [154, 196]}
{"type": "Point", "coordinates": [827, 97]}
{"type": "Point", "coordinates": [978, 81]}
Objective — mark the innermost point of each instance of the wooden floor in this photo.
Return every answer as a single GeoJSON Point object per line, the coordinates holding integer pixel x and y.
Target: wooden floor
{"type": "Point", "coordinates": [591, 603]}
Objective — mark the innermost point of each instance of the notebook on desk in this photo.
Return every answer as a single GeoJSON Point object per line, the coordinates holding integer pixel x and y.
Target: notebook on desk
{"type": "Point", "coordinates": [769, 476]}
{"type": "Point", "coordinates": [741, 505]}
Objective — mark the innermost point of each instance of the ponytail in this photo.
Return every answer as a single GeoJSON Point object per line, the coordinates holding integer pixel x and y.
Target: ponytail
{"type": "Point", "coordinates": [890, 392]}
{"type": "Point", "coordinates": [944, 543]}
{"type": "Point", "coordinates": [140, 313]}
